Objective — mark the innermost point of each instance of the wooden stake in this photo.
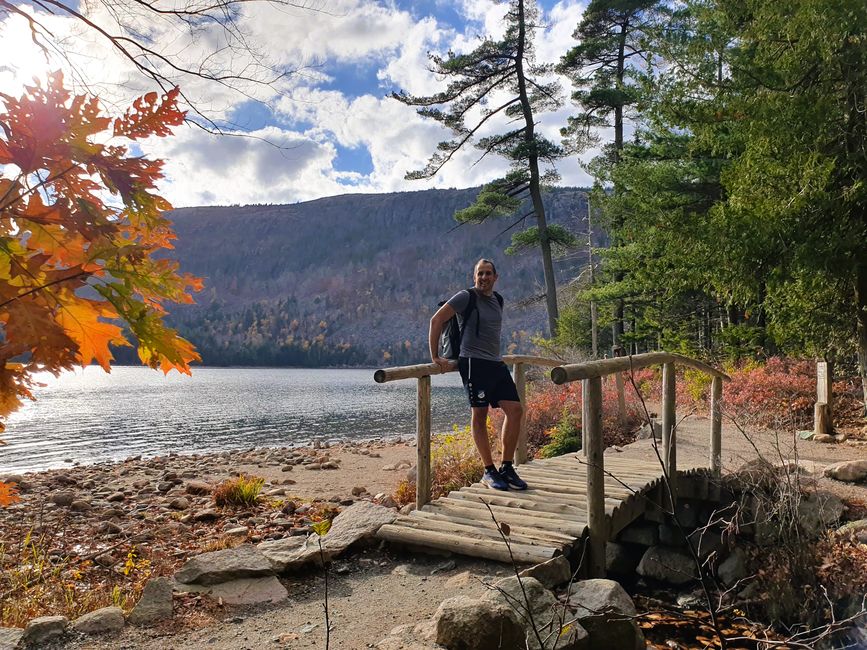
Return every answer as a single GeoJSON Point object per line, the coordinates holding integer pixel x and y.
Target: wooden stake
{"type": "Point", "coordinates": [669, 433]}
{"type": "Point", "coordinates": [595, 478]}
{"type": "Point", "coordinates": [716, 425]}
{"type": "Point", "coordinates": [423, 469]}
{"type": "Point", "coordinates": [521, 385]}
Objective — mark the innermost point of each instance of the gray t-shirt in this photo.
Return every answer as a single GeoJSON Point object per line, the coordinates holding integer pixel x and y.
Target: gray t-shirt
{"type": "Point", "coordinates": [488, 315]}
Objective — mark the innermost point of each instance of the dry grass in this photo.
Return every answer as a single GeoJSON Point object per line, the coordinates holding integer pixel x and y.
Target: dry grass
{"type": "Point", "coordinates": [238, 492]}
{"type": "Point", "coordinates": [455, 463]}
{"type": "Point", "coordinates": [34, 581]}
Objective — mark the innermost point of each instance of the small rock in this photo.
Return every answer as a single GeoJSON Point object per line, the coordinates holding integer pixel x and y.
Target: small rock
{"type": "Point", "coordinates": [80, 505]}
{"type": "Point", "coordinates": [358, 491]}
{"type": "Point", "coordinates": [197, 488]}
{"type": "Point", "coordinates": [240, 531]}
{"type": "Point", "coordinates": [109, 527]}
{"type": "Point", "coordinates": [448, 565]}
{"type": "Point", "coordinates": [63, 498]}
{"type": "Point", "coordinates": [44, 628]}
{"type": "Point", "coordinates": [155, 603]}
{"type": "Point", "coordinates": [287, 468]}
{"type": "Point", "coordinates": [10, 637]}
{"type": "Point", "coordinates": [107, 619]}
{"type": "Point", "coordinates": [180, 503]}
{"type": "Point", "coordinates": [117, 496]}
{"type": "Point", "coordinates": [851, 471]}
{"type": "Point", "coordinates": [552, 573]}
{"type": "Point", "coordinates": [209, 514]}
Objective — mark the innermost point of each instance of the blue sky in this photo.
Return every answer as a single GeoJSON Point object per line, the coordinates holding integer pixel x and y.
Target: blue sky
{"type": "Point", "coordinates": [329, 129]}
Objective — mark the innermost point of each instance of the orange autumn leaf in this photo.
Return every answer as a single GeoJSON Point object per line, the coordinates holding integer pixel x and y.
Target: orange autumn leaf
{"type": "Point", "coordinates": [8, 494]}
{"type": "Point", "coordinates": [81, 322]}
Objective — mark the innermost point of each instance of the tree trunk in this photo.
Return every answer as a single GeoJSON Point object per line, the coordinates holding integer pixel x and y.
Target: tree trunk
{"type": "Point", "coordinates": [861, 306]}
{"type": "Point", "coordinates": [617, 326]}
{"type": "Point", "coordinates": [535, 188]}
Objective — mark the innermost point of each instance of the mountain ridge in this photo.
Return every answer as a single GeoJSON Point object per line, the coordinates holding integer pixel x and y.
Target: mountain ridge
{"type": "Point", "coordinates": [352, 279]}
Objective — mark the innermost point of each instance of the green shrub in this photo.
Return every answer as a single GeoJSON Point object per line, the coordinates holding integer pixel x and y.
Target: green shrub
{"type": "Point", "coordinates": [565, 437]}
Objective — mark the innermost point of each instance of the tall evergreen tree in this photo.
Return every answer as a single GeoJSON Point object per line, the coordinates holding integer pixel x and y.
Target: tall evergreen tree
{"type": "Point", "coordinates": [604, 67]}
{"type": "Point", "coordinates": [500, 79]}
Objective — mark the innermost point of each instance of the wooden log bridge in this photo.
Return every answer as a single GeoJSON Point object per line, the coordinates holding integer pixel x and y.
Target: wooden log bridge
{"type": "Point", "coordinates": [572, 498]}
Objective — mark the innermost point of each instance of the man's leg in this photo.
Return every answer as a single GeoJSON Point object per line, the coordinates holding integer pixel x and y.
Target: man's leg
{"type": "Point", "coordinates": [480, 434]}
{"type": "Point", "coordinates": [511, 427]}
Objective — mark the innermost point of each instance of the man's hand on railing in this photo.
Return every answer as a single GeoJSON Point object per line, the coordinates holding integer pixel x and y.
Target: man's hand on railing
{"type": "Point", "coordinates": [444, 364]}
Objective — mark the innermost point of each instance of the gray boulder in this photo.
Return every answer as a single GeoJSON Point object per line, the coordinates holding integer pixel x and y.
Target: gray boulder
{"type": "Point", "coordinates": [10, 638]}
{"type": "Point", "coordinates": [44, 628]}
{"type": "Point", "coordinates": [537, 607]}
{"type": "Point", "coordinates": [464, 623]}
{"type": "Point", "coordinates": [243, 561]}
{"type": "Point", "coordinates": [851, 471]}
{"type": "Point", "coordinates": [551, 573]}
{"type": "Point", "coordinates": [606, 611]}
{"type": "Point", "coordinates": [411, 637]}
{"type": "Point", "coordinates": [733, 568]}
{"type": "Point", "coordinates": [155, 603]}
{"type": "Point", "coordinates": [107, 619]}
{"type": "Point", "coordinates": [358, 522]}
{"type": "Point", "coordinates": [250, 591]}
{"type": "Point", "coordinates": [290, 553]}
{"type": "Point", "coordinates": [818, 510]}
{"type": "Point", "coordinates": [667, 565]}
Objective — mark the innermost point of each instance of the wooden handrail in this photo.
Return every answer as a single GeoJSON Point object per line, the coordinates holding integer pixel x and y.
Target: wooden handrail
{"type": "Point", "coordinates": [590, 373]}
{"type": "Point", "coordinates": [417, 371]}
{"type": "Point", "coordinates": [588, 369]}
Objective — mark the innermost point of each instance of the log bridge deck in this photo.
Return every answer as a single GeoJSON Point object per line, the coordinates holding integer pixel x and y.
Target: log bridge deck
{"type": "Point", "coordinates": [548, 519]}
{"type": "Point", "coordinates": [587, 496]}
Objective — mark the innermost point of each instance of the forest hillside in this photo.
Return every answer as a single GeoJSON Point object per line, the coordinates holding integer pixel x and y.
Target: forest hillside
{"type": "Point", "coordinates": [351, 279]}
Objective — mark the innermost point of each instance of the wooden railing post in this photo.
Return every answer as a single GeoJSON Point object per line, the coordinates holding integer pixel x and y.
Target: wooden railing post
{"type": "Point", "coordinates": [669, 429]}
{"type": "Point", "coordinates": [596, 522]}
{"type": "Point", "coordinates": [716, 425]}
{"type": "Point", "coordinates": [585, 417]}
{"type": "Point", "coordinates": [521, 385]}
{"type": "Point", "coordinates": [621, 402]}
{"type": "Point", "coordinates": [423, 469]}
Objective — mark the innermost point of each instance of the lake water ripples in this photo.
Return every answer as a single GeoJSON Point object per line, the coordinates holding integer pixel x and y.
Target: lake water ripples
{"type": "Point", "coordinates": [90, 416]}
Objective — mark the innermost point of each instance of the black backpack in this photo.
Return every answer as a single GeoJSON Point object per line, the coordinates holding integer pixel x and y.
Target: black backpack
{"type": "Point", "coordinates": [453, 330]}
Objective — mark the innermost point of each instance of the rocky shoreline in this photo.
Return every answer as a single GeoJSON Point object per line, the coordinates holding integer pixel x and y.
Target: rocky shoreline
{"type": "Point", "coordinates": [112, 526]}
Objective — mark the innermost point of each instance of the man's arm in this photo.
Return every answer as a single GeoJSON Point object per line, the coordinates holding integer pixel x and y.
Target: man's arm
{"type": "Point", "coordinates": [437, 321]}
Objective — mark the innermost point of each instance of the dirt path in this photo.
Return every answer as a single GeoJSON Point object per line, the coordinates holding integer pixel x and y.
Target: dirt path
{"type": "Point", "coordinates": [370, 593]}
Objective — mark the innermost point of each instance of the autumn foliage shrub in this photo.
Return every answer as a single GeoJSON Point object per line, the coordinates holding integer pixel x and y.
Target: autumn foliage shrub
{"type": "Point", "coordinates": [777, 394]}
{"type": "Point", "coordinates": [455, 463]}
{"type": "Point", "coordinates": [548, 404]}
{"type": "Point", "coordinates": [239, 491]}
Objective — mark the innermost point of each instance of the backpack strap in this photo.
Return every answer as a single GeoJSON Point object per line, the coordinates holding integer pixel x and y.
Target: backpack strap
{"type": "Point", "coordinates": [471, 305]}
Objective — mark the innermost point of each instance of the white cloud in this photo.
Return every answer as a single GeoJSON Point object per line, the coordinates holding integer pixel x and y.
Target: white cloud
{"type": "Point", "coordinates": [371, 36]}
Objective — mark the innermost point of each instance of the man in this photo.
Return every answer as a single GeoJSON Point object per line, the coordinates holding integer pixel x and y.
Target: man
{"type": "Point", "coordinates": [486, 378]}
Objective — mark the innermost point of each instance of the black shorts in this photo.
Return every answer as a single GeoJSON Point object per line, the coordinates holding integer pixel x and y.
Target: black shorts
{"type": "Point", "coordinates": [487, 382]}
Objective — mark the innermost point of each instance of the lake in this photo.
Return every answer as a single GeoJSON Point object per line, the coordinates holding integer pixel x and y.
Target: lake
{"type": "Point", "coordinates": [89, 416]}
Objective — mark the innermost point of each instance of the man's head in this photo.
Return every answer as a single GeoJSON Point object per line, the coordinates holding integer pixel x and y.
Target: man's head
{"type": "Point", "coordinates": [485, 275]}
